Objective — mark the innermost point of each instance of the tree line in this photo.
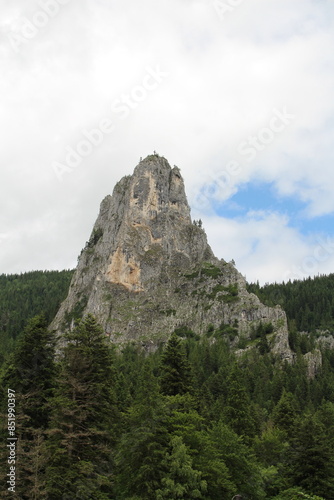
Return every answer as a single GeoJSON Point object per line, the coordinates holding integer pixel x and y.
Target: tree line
{"type": "Point", "coordinates": [190, 420]}
{"type": "Point", "coordinates": [23, 296]}
{"type": "Point", "coordinates": [308, 303]}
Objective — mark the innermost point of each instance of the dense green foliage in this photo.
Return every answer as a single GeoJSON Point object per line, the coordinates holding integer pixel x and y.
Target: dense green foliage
{"type": "Point", "coordinates": [23, 296]}
{"type": "Point", "coordinates": [309, 304]}
{"type": "Point", "coordinates": [188, 421]}
{"type": "Point", "coordinates": [30, 372]}
{"type": "Point", "coordinates": [83, 417]}
{"type": "Point", "coordinates": [191, 420]}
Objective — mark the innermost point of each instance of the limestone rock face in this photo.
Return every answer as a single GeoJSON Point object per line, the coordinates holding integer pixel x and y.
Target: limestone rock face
{"type": "Point", "coordinates": [313, 362]}
{"type": "Point", "coordinates": [147, 269]}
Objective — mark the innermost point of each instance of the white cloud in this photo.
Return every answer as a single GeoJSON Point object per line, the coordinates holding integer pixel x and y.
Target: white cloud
{"type": "Point", "coordinates": [267, 249]}
{"type": "Point", "coordinates": [225, 79]}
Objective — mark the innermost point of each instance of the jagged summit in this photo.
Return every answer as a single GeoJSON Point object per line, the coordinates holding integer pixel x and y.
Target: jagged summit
{"type": "Point", "coordinates": [147, 269]}
{"type": "Point", "coordinates": [145, 223]}
{"type": "Point", "coordinates": [157, 188]}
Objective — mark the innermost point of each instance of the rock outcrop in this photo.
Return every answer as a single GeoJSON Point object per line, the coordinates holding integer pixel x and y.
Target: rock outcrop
{"type": "Point", "coordinates": [313, 362]}
{"type": "Point", "coordinates": [147, 269]}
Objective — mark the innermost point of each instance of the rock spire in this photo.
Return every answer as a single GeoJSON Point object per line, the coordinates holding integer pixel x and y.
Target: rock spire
{"type": "Point", "coordinates": [147, 269]}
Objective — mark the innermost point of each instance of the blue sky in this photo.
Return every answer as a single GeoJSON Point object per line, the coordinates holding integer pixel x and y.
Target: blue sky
{"type": "Point", "coordinates": [257, 197]}
{"type": "Point", "coordinates": [241, 99]}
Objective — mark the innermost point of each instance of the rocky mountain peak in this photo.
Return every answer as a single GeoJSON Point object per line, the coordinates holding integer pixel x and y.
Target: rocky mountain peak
{"type": "Point", "coordinates": [144, 224]}
{"type": "Point", "coordinates": [157, 200]}
{"type": "Point", "coordinates": [157, 189]}
{"type": "Point", "coordinates": [147, 270]}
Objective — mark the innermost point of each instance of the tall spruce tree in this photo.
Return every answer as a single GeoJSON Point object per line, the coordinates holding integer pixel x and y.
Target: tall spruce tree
{"type": "Point", "coordinates": [238, 409]}
{"type": "Point", "coordinates": [181, 480]}
{"type": "Point", "coordinates": [310, 459]}
{"type": "Point", "coordinates": [207, 459]}
{"type": "Point", "coordinates": [175, 369]}
{"type": "Point", "coordinates": [241, 463]}
{"type": "Point", "coordinates": [30, 372]}
{"type": "Point", "coordinates": [81, 435]}
{"type": "Point", "coordinates": [141, 450]}
{"type": "Point", "coordinates": [143, 444]}
{"type": "Point", "coordinates": [285, 412]}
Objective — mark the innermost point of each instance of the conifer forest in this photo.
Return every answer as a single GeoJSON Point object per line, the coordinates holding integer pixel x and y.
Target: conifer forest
{"type": "Point", "coordinates": [195, 419]}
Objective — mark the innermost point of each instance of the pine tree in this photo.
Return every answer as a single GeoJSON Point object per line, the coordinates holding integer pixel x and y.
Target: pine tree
{"type": "Point", "coordinates": [207, 458]}
{"type": "Point", "coordinates": [81, 435]}
{"type": "Point", "coordinates": [175, 369]}
{"type": "Point", "coordinates": [141, 450]}
{"type": "Point", "coordinates": [241, 463]}
{"type": "Point", "coordinates": [237, 411]}
{"type": "Point", "coordinates": [310, 459]}
{"type": "Point", "coordinates": [31, 373]}
{"type": "Point", "coordinates": [285, 412]}
{"type": "Point", "coordinates": [181, 480]}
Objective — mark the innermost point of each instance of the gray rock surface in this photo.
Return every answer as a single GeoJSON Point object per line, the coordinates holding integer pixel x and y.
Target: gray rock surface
{"type": "Point", "coordinates": [313, 362]}
{"type": "Point", "coordinates": [148, 269]}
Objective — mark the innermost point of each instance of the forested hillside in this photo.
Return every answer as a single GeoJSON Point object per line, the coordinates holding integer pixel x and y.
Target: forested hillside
{"type": "Point", "coordinates": [191, 420]}
{"type": "Point", "coordinates": [22, 296]}
{"type": "Point", "coordinates": [309, 303]}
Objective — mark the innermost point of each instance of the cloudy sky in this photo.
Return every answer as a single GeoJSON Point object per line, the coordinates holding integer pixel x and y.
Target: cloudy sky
{"type": "Point", "coordinates": [237, 93]}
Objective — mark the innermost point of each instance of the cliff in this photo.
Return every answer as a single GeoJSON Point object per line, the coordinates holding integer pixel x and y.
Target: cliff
{"type": "Point", "coordinates": [147, 269]}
